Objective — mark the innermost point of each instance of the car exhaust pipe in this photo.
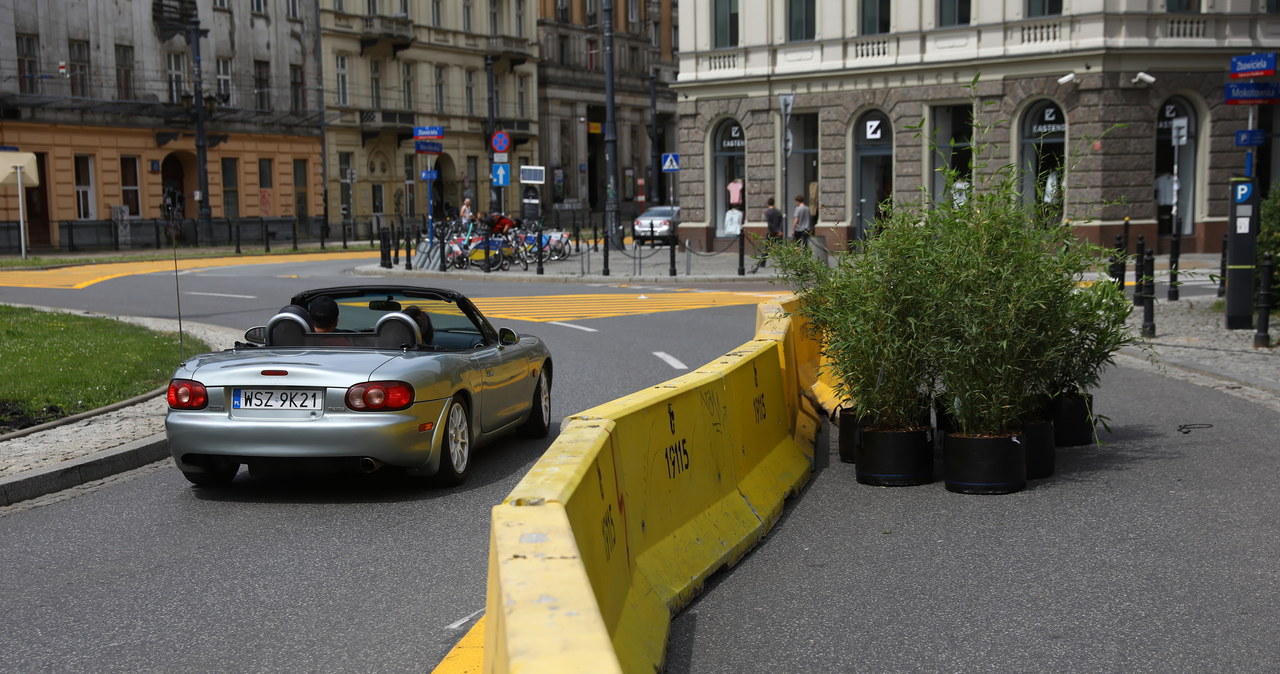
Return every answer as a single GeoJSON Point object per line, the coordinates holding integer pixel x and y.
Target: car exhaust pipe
{"type": "Point", "coordinates": [369, 464]}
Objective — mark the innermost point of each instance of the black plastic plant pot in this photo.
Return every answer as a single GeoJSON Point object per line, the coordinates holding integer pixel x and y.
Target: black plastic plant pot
{"type": "Point", "coordinates": [1073, 420]}
{"type": "Point", "coordinates": [851, 424]}
{"type": "Point", "coordinates": [1037, 441]}
{"type": "Point", "coordinates": [895, 458]}
{"type": "Point", "coordinates": [984, 465]}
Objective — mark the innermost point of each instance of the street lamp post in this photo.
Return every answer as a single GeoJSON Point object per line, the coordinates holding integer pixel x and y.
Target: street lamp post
{"type": "Point", "coordinates": [494, 197]}
{"type": "Point", "coordinates": [194, 33]}
{"type": "Point", "coordinates": [610, 138]}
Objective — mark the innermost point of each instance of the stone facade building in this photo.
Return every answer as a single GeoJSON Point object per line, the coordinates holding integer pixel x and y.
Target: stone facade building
{"type": "Point", "coordinates": [1087, 97]}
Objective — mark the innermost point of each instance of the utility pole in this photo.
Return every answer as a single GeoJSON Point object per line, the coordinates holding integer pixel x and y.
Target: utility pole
{"type": "Point", "coordinates": [655, 171]}
{"type": "Point", "coordinates": [610, 138]}
{"type": "Point", "coordinates": [194, 33]}
{"type": "Point", "coordinates": [494, 198]}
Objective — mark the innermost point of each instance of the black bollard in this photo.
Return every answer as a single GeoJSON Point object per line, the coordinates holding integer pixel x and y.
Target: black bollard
{"type": "Point", "coordinates": [1121, 253]}
{"type": "Point", "coordinates": [266, 240]}
{"type": "Point", "coordinates": [408, 243]}
{"type": "Point", "coordinates": [344, 234]}
{"type": "Point", "coordinates": [675, 243]}
{"type": "Point", "coordinates": [742, 252]}
{"type": "Point", "coordinates": [444, 253]}
{"type": "Point", "coordinates": [394, 243]}
{"type": "Point", "coordinates": [324, 230]}
{"type": "Point", "coordinates": [1262, 338]}
{"type": "Point", "coordinates": [1175, 251]}
{"type": "Point", "coordinates": [385, 239]}
{"type": "Point", "coordinates": [539, 253]}
{"type": "Point", "coordinates": [595, 237]}
{"type": "Point", "coordinates": [1149, 295]}
{"type": "Point", "coordinates": [1116, 270]}
{"type": "Point", "coordinates": [1138, 271]}
{"type": "Point", "coordinates": [237, 226]}
{"type": "Point", "coordinates": [1222, 268]}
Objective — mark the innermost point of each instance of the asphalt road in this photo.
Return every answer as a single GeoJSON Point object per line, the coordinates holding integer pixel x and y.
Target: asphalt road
{"type": "Point", "coordinates": [366, 573]}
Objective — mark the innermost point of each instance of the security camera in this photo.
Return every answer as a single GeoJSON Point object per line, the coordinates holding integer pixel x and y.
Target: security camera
{"type": "Point", "coordinates": [1069, 77]}
{"type": "Point", "coordinates": [1144, 78]}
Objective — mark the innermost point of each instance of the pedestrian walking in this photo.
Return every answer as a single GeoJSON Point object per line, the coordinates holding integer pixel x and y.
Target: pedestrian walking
{"type": "Point", "coordinates": [775, 221]}
{"type": "Point", "coordinates": [802, 222]}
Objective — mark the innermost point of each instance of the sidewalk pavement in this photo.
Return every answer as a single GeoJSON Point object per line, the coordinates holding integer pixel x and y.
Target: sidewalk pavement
{"type": "Point", "coordinates": [65, 453]}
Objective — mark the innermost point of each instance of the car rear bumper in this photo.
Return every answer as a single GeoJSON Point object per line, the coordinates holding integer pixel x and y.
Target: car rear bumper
{"type": "Point", "coordinates": [395, 438]}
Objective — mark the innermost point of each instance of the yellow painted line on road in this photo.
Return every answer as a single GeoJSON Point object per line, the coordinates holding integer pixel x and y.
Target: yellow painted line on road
{"type": "Point", "coordinates": [577, 307]}
{"type": "Point", "coordinates": [467, 657]}
{"type": "Point", "coordinates": [82, 276]}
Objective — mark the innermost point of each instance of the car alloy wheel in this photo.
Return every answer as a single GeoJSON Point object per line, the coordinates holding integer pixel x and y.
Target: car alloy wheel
{"type": "Point", "coordinates": [455, 448]}
{"type": "Point", "coordinates": [539, 422]}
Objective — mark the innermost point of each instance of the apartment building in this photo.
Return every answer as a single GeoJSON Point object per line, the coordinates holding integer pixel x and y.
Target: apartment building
{"type": "Point", "coordinates": [103, 92]}
{"type": "Point", "coordinates": [572, 109]}
{"type": "Point", "coordinates": [467, 66]}
{"type": "Point", "coordinates": [1114, 108]}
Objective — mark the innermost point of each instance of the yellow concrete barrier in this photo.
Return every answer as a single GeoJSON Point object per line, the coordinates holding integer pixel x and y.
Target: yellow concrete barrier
{"type": "Point", "coordinates": [639, 500]}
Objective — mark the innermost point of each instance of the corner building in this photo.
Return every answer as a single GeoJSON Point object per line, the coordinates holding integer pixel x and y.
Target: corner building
{"type": "Point", "coordinates": [1087, 96]}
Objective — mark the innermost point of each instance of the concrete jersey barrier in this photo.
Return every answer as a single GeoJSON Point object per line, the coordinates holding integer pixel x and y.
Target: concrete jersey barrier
{"type": "Point", "coordinates": [639, 500]}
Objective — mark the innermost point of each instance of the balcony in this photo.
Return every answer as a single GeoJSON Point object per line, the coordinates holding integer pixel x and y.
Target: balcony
{"type": "Point", "coordinates": [393, 33]}
{"type": "Point", "coordinates": [374, 123]}
{"type": "Point", "coordinates": [516, 49]}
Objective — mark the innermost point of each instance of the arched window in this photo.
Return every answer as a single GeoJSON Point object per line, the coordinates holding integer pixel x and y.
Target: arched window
{"type": "Point", "coordinates": [873, 169]}
{"type": "Point", "coordinates": [1044, 153]}
{"type": "Point", "coordinates": [728, 152]}
{"type": "Point", "coordinates": [1175, 166]}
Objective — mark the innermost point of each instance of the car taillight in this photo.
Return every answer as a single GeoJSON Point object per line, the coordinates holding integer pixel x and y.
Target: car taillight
{"type": "Point", "coordinates": [380, 396]}
{"type": "Point", "coordinates": [185, 394]}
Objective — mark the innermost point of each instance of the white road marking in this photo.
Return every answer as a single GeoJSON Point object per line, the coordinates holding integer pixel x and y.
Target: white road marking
{"type": "Point", "coordinates": [670, 360]}
{"type": "Point", "coordinates": [238, 297]}
{"type": "Point", "coordinates": [571, 325]}
{"type": "Point", "coordinates": [459, 623]}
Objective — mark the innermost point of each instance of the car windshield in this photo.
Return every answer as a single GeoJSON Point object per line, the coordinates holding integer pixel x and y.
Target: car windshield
{"type": "Point", "coordinates": [361, 312]}
{"type": "Point", "coordinates": [659, 213]}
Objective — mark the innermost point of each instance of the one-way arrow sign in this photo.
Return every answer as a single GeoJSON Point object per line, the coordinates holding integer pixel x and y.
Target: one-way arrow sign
{"type": "Point", "coordinates": [501, 175]}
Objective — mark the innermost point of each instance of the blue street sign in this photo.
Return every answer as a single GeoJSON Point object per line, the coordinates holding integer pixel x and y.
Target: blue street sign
{"type": "Point", "coordinates": [1253, 65]}
{"type": "Point", "coordinates": [1252, 93]}
{"type": "Point", "coordinates": [670, 163]}
{"type": "Point", "coordinates": [430, 175]}
{"type": "Point", "coordinates": [501, 175]}
{"type": "Point", "coordinates": [1251, 138]}
{"type": "Point", "coordinates": [1243, 191]}
{"type": "Point", "coordinates": [428, 147]}
{"type": "Point", "coordinates": [433, 132]}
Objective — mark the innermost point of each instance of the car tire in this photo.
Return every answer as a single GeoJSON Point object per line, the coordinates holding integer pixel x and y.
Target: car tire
{"type": "Point", "coordinates": [219, 474]}
{"type": "Point", "coordinates": [539, 422]}
{"type": "Point", "coordinates": [455, 445]}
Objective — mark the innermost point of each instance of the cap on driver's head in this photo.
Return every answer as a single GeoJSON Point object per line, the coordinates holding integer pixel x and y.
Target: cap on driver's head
{"type": "Point", "coordinates": [324, 311]}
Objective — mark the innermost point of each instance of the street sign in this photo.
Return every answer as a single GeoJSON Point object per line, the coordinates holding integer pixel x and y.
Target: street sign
{"type": "Point", "coordinates": [670, 162]}
{"type": "Point", "coordinates": [502, 157]}
{"type": "Point", "coordinates": [1252, 93]}
{"type": "Point", "coordinates": [1178, 130]}
{"type": "Point", "coordinates": [500, 142]}
{"type": "Point", "coordinates": [501, 175]}
{"type": "Point", "coordinates": [533, 175]}
{"type": "Point", "coordinates": [430, 175]}
{"type": "Point", "coordinates": [1251, 138]}
{"type": "Point", "coordinates": [1253, 65]}
{"type": "Point", "coordinates": [432, 132]}
{"type": "Point", "coordinates": [428, 147]}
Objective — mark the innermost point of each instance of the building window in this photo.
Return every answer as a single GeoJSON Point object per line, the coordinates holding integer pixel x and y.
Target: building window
{"type": "Point", "coordinates": [291, 9]}
{"type": "Point", "coordinates": [377, 198]}
{"type": "Point", "coordinates": [124, 73]}
{"type": "Point", "coordinates": [223, 84]}
{"type": "Point", "coordinates": [404, 9]}
{"type": "Point", "coordinates": [593, 55]}
{"type": "Point", "coordinates": [471, 92]}
{"type": "Point", "coordinates": [344, 97]}
{"type": "Point", "coordinates": [346, 176]}
{"type": "Point", "coordinates": [339, 6]}
{"type": "Point", "coordinates": [406, 85]}
{"type": "Point", "coordinates": [953, 152]}
{"type": "Point", "coordinates": [440, 90]}
{"type": "Point", "coordinates": [262, 84]}
{"type": "Point", "coordinates": [410, 200]}
{"type": "Point", "coordinates": [1044, 153]}
{"type": "Point", "coordinates": [375, 84]}
{"type": "Point", "coordinates": [725, 19]}
{"type": "Point", "coordinates": [437, 16]}
{"type": "Point", "coordinates": [371, 7]}
{"type": "Point", "coordinates": [266, 174]}
{"type": "Point", "coordinates": [177, 62]}
{"type": "Point", "coordinates": [84, 186]}
{"type": "Point", "coordinates": [230, 189]}
{"type": "Point", "coordinates": [300, 188]}
{"type": "Point", "coordinates": [519, 18]}
{"type": "Point", "coordinates": [875, 16]}
{"type": "Point", "coordinates": [633, 12]}
{"type": "Point", "coordinates": [466, 16]}
{"type": "Point", "coordinates": [495, 18]}
{"type": "Point", "coordinates": [78, 68]}
{"type": "Point", "coordinates": [1184, 6]}
{"type": "Point", "coordinates": [258, 6]}
{"type": "Point", "coordinates": [728, 162]}
{"type": "Point", "coordinates": [130, 189]}
{"type": "Point", "coordinates": [953, 12]}
{"type": "Point", "coordinates": [1037, 8]}
{"type": "Point", "coordinates": [522, 94]}
{"type": "Point", "coordinates": [297, 89]}
{"type": "Point", "coordinates": [592, 15]}
{"type": "Point", "coordinates": [800, 20]}
{"type": "Point", "coordinates": [28, 64]}
{"type": "Point", "coordinates": [1273, 6]}
{"type": "Point", "coordinates": [873, 170]}
{"type": "Point", "coordinates": [219, 4]}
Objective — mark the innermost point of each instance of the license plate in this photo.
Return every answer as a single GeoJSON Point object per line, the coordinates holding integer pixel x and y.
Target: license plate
{"type": "Point", "coordinates": [276, 399]}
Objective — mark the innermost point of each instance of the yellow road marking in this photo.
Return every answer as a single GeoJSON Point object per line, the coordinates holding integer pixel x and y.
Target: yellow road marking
{"type": "Point", "coordinates": [467, 657]}
{"type": "Point", "coordinates": [577, 307]}
{"type": "Point", "coordinates": [83, 276]}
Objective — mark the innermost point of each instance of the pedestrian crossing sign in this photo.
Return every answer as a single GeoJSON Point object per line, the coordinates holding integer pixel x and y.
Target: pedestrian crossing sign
{"type": "Point", "coordinates": [670, 163]}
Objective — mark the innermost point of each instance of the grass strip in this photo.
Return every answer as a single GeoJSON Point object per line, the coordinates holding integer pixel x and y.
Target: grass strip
{"type": "Point", "coordinates": [54, 364]}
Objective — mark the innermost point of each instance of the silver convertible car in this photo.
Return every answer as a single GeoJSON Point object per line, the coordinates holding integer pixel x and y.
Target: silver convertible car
{"type": "Point", "coordinates": [359, 377]}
